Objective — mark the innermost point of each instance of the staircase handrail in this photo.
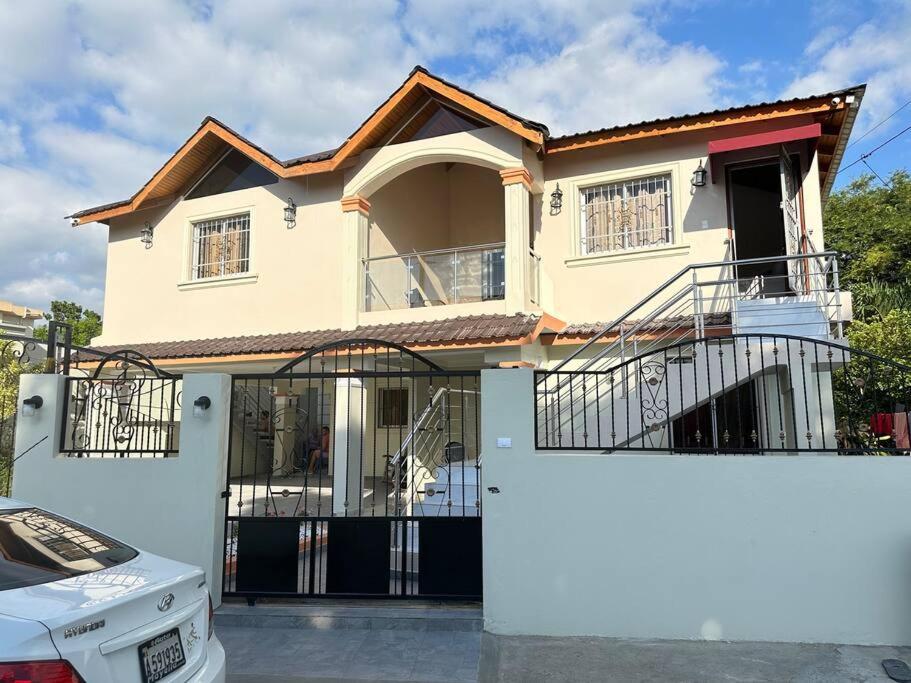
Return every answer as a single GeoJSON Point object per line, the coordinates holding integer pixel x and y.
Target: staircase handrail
{"type": "Point", "coordinates": [691, 268]}
{"type": "Point", "coordinates": [416, 426]}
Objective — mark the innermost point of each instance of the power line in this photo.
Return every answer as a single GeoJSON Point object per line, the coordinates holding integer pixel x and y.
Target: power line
{"type": "Point", "coordinates": [863, 157]}
{"type": "Point", "coordinates": [875, 173]}
{"type": "Point", "coordinates": [878, 124]}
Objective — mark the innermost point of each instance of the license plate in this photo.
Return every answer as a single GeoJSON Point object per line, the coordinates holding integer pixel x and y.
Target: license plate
{"type": "Point", "coordinates": [161, 655]}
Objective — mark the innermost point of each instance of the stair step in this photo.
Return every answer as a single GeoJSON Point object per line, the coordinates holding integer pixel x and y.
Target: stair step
{"type": "Point", "coordinates": [372, 616]}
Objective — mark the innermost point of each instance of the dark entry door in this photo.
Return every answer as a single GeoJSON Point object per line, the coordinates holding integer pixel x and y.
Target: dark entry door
{"type": "Point", "coordinates": [754, 193]}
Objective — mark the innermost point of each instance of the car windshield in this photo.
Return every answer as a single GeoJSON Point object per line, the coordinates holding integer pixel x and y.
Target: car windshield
{"type": "Point", "coordinates": [40, 547]}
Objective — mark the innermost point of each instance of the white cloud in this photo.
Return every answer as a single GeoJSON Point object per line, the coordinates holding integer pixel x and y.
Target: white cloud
{"type": "Point", "coordinates": [877, 52]}
{"type": "Point", "coordinates": [617, 71]}
{"type": "Point", "coordinates": [11, 145]}
{"type": "Point", "coordinates": [42, 257]}
{"type": "Point", "coordinates": [95, 95]}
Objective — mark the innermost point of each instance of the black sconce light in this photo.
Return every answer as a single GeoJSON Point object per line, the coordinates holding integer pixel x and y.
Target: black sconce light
{"type": "Point", "coordinates": [201, 405]}
{"type": "Point", "coordinates": [31, 405]}
{"type": "Point", "coordinates": [146, 234]}
{"type": "Point", "coordinates": [556, 201]}
{"type": "Point", "coordinates": [291, 213]}
{"type": "Point", "coordinates": [699, 175]}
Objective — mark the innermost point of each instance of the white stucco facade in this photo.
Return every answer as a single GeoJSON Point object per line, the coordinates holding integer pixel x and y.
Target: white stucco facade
{"type": "Point", "coordinates": [772, 548]}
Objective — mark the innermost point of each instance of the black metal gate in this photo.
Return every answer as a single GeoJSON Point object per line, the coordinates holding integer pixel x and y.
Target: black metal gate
{"type": "Point", "coordinates": [354, 471]}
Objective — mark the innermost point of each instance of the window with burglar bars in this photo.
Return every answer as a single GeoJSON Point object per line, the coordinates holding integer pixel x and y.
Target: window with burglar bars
{"type": "Point", "coordinates": [221, 246]}
{"type": "Point", "coordinates": [629, 214]}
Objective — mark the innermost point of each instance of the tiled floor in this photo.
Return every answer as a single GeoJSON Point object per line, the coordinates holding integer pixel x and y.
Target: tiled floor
{"type": "Point", "coordinates": [286, 654]}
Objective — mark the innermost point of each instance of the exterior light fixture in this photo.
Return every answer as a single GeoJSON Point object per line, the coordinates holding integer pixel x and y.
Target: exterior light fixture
{"type": "Point", "coordinates": [201, 405]}
{"type": "Point", "coordinates": [146, 234]}
{"type": "Point", "coordinates": [31, 405]}
{"type": "Point", "coordinates": [291, 213]}
{"type": "Point", "coordinates": [556, 201]}
{"type": "Point", "coordinates": [699, 175]}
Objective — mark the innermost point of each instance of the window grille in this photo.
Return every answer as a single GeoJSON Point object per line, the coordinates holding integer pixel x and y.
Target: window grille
{"type": "Point", "coordinates": [221, 246]}
{"type": "Point", "coordinates": [629, 214]}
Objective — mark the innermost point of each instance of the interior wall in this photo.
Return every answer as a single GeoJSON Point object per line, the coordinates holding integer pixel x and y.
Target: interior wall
{"type": "Point", "coordinates": [477, 211]}
{"type": "Point", "coordinates": [437, 206]}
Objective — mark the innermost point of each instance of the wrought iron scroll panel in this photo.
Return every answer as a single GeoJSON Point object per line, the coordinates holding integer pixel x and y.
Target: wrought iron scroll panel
{"type": "Point", "coordinates": [127, 408]}
{"type": "Point", "coordinates": [754, 394]}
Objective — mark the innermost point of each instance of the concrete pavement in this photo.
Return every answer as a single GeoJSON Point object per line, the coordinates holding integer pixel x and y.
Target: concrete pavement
{"type": "Point", "coordinates": [332, 643]}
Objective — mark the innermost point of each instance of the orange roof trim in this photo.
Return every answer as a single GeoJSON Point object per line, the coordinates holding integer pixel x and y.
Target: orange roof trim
{"type": "Point", "coordinates": [197, 154]}
{"type": "Point", "coordinates": [213, 138]}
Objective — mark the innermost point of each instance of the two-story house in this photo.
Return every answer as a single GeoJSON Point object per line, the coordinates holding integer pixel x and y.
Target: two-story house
{"type": "Point", "coordinates": [464, 232]}
{"type": "Point", "coordinates": [456, 227]}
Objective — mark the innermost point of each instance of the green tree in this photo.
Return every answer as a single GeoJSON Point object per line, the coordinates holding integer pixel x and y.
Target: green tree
{"type": "Point", "coordinates": [869, 224]}
{"type": "Point", "coordinates": [873, 300]}
{"type": "Point", "coordinates": [85, 322]}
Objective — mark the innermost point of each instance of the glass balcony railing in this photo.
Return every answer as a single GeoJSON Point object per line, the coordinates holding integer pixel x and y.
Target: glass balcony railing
{"type": "Point", "coordinates": [435, 278]}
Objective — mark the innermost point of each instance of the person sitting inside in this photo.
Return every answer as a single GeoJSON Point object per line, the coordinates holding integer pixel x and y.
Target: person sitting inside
{"type": "Point", "coordinates": [320, 455]}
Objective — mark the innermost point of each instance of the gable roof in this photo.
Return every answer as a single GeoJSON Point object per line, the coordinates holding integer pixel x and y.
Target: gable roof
{"type": "Point", "coordinates": [407, 103]}
{"type": "Point", "coordinates": [213, 137]}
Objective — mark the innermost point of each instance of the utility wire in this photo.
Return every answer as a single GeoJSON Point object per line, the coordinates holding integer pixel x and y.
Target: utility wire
{"type": "Point", "coordinates": [875, 173]}
{"type": "Point", "coordinates": [864, 157]}
{"type": "Point", "coordinates": [878, 124]}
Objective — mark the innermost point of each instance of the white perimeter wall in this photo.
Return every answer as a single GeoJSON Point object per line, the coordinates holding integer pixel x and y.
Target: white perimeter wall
{"type": "Point", "coordinates": [168, 506]}
{"type": "Point", "coordinates": [807, 548]}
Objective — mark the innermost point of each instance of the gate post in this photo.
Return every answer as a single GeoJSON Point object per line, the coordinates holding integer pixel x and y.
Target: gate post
{"type": "Point", "coordinates": [348, 446]}
{"type": "Point", "coordinates": [204, 442]}
{"type": "Point", "coordinates": [37, 435]}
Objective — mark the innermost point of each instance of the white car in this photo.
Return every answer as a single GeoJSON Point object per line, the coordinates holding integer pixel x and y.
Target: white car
{"type": "Point", "coordinates": [77, 606]}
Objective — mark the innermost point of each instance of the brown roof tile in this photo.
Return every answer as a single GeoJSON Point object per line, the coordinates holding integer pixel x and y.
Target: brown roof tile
{"type": "Point", "coordinates": [460, 329]}
{"type": "Point", "coordinates": [682, 321]}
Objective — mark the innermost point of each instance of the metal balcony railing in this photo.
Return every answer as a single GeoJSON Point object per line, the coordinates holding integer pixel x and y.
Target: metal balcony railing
{"type": "Point", "coordinates": [435, 278]}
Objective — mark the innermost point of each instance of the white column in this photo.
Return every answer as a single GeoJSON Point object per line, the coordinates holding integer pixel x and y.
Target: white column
{"type": "Point", "coordinates": [516, 191]}
{"type": "Point", "coordinates": [204, 458]}
{"type": "Point", "coordinates": [348, 446]}
{"type": "Point", "coordinates": [356, 222]}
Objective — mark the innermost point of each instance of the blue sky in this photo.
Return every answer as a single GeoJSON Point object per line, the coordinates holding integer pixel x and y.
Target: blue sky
{"type": "Point", "coordinates": [96, 94]}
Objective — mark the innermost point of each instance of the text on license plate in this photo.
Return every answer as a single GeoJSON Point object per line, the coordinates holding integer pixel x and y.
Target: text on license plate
{"type": "Point", "coordinates": [161, 655]}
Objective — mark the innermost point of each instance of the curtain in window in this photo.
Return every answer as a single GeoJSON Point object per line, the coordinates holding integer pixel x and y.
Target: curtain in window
{"type": "Point", "coordinates": [221, 247]}
{"type": "Point", "coordinates": [626, 215]}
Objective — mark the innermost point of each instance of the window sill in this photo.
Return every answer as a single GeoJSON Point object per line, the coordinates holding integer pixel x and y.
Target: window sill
{"type": "Point", "coordinates": [244, 279]}
{"type": "Point", "coordinates": [633, 255]}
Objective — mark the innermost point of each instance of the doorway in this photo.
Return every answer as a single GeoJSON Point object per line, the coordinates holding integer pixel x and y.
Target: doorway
{"type": "Point", "coordinates": [755, 201]}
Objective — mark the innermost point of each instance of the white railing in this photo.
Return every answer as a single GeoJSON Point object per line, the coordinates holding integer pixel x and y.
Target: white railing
{"type": "Point", "coordinates": [435, 278]}
{"type": "Point", "coordinates": [422, 453]}
{"type": "Point", "coordinates": [691, 304]}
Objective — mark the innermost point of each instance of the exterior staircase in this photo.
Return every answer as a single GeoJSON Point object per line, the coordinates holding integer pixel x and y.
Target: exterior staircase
{"type": "Point", "coordinates": [657, 362]}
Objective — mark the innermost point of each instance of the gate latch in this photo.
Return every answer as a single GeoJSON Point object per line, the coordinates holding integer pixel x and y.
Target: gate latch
{"type": "Point", "coordinates": [226, 494]}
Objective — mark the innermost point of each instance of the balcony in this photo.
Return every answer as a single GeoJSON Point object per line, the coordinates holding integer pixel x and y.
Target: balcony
{"type": "Point", "coordinates": [439, 277]}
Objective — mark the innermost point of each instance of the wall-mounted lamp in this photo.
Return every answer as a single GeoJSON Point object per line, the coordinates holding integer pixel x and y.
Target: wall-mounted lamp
{"type": "Point", "coordinates": [291, 213]}
{"type": "Point", "coordinates": [146, 234]}
{"type": "Point", "coordinates": [556, 201]}
{"type": "Point", "coordinates": [31, 405]}
{"type": "Point", "coordinates": [699, 175]}
{"type": "Point", "coordinates": [201, 405]}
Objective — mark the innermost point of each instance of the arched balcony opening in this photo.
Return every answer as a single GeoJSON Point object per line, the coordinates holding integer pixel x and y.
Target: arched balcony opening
{"type": "Point", "coordinates": [435, 237]}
